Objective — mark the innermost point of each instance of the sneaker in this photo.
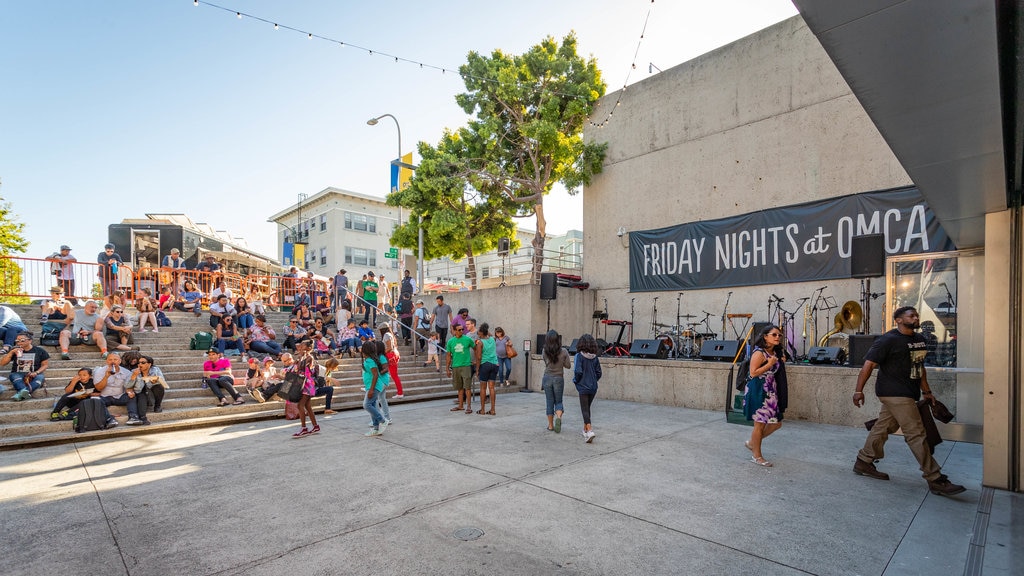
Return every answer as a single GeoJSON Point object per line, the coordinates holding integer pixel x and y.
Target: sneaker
{"type": "Point", "coordinates": [65, 356]}
{"type": "Point", "coordinates": [329, 412]}
{"type": "Point", "coordinates": [257, 395]}
{"type": "Point", "coordinates": [589, 436]}
{"type": "Point", "coordinates": [862, 468]}
{"type": "Point", "coordinates": [558, 425]}
{"type": "Point", "coordinates": [64, 414]}
{"type": "Point", "coordinates": [373, 432]}
{"type": "Point", "coordinates": [383, 426]}
{"type": "Point", "coordinates": [158, 409]}
{"type": "Point", "coordinates": [111, 423]}
{"type": "Point", "coordinates": [205, 385]}
{"type": "Point", "coordinates": [943, 487]}
{"type": "Point", "coordinates": [104, 355]}
{"type": "Point", "coordinates": [301, 433]}
{"type": "Point", "coordinates": [315, 430]}
{"type": "Point", "coordinates": [398, 396]}
{"type": "Point", "coordinates": [133, 421]}
{"type": "Point", "coordinates": [54, 416]}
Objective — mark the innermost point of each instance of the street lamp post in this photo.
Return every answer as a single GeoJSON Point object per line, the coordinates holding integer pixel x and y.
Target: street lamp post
{"type": "Point", "coordinates": [419, 263]}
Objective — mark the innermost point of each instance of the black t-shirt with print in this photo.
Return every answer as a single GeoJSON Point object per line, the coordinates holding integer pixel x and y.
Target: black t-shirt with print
{"type": "Point", "coordinates": [900, 360]}
{"type": "Point", "coordinates": [29, 361]}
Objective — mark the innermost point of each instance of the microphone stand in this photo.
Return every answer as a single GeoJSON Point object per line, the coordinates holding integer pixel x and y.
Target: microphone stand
{"type": "Point", "coordinates": [654, 317]}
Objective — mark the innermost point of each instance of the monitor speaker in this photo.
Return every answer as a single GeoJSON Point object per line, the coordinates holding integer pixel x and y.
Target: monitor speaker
{"type": "Point", "coordinates": [867, 256]}
{"type": "Point", "coordinates": [573, 348]}
{"type": "Point", "coordinates": [539, 341]}
{"type": "Point", "coordinates": [548, 286]}
{"type": "Point", "coordinates": [649, 349]}
{"type": "Point", "coordinates": [859, 346]}
{"type": "Point", "coordinates": [826, 355]}
{"type": "Point", "coordinates": [721, 350]}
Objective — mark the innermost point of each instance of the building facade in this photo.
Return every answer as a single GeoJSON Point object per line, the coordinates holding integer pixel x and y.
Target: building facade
{"type": "Point", "coordinates": [335, 229]}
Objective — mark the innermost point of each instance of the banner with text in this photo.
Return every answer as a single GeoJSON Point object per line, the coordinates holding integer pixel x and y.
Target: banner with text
{"type": "Point", "coordinates": [791, 244]}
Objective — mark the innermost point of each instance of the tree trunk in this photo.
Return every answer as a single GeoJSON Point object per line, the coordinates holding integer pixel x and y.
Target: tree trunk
{"type": "Point", "coordinates": [471, 267]}
{"type": "Point", "coordinates": [538, 241]}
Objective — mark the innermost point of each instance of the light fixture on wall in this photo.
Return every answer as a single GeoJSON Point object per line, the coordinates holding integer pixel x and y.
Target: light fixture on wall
{"type": "Point", "coordinates": [623, 236]}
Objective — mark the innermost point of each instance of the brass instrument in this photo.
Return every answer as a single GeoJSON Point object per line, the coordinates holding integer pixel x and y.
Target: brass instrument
{"type": "Point", "coordinates": [849, 317]}
{"type": "Point", "coordinates": [807, 320]}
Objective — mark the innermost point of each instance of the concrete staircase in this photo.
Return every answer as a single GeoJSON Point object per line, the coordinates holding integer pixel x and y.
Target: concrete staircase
{"type": "Point", "coordinates": [186, 404]}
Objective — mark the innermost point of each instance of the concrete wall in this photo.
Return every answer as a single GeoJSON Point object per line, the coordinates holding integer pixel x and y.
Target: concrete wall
{"type": "Point", "coordinates": [764, 122]}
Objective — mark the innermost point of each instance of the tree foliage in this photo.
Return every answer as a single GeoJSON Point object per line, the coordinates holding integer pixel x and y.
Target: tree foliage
{"type": "Point", "coordinates": [12, 241]}
{"type": "Point", "coordinates": [458, 222]}
{"type": "Point", "coordinates": [527, 133]}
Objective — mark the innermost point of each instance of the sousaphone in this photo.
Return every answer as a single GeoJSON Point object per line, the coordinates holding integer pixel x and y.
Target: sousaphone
{"type": "Point", "coordinates": [849, 318]}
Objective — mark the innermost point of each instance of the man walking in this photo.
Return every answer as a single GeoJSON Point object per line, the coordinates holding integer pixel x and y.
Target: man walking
{"type": "Point", "coordinates": [899, 355]}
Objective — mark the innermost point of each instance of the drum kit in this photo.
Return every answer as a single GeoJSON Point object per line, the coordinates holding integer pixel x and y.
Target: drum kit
{"type": "Point", "coordinates": [682, 339]}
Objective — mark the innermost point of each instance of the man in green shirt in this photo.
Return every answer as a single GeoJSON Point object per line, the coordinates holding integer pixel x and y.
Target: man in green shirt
{"type": "Point", "coordinates": [370, 295]}
{"type": "Point", "coordinates": [460, 360]}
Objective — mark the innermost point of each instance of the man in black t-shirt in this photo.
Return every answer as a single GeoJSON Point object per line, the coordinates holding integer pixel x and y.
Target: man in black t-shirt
{"type": "Point", "coordinates": [28, 363]}
{"type": "Point", "coordinates": [899, 355]}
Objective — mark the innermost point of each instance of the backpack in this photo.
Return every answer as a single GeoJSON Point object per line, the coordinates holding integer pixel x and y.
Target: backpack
{"type": "Point", "coordinates": [405, 303]}
{"type": "Point", "coordinates": [51, 335]}
{"type": "Point", "coordinates": [742, 374]}
{"type": "Point", "coordinates": [406, 287]}
{"type": "Point", "coordinates": [162, 319]}
{"type": "Point", "coordinates": [92, 415]}
{"type": "Point", "coordinates": [201, 341]}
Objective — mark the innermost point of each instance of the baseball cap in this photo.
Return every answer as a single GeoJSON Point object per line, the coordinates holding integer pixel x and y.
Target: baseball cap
{"type": "Point", "coordinates": [65, 247]}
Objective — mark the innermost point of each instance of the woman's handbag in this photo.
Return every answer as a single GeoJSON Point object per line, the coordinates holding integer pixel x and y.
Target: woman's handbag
{"type": "Point", "coordinates": [510, 350]}
{"type": "Point", "coordinates": [296, 383]}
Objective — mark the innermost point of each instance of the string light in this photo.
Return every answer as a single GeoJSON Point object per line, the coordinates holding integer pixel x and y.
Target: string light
{"type": "Point", "coordinates": [443, 70]}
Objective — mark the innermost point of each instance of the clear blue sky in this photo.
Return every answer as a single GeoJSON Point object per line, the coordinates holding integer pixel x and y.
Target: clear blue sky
{"type": "Point", "coordinates": [110, 109]}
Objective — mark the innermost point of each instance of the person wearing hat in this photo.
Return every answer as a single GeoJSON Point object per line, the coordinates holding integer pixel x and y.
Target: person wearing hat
{"type": "Point", "coordinates": [109, 262]}
{"type": "Point", "coordinates": [57, 311]}
{"type": "Point", "coordinates": [63, 268]}
{"type": "Point", "coordinates": [175, 263]}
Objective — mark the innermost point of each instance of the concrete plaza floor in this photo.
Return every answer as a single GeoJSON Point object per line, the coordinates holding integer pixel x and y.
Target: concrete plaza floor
{"type": "Point", "coordinates": [660, 491]}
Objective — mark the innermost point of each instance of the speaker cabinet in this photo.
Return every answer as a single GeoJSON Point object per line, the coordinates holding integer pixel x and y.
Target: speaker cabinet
{"type": "Point", "coordinates": [859, 346]}
{"type": "Point", "coordinates": [548, 286]}
{"type": "Point", "coordinates": [539, 344]}
{"type": "Point", "coordinates": [649, 349]}
{"type": "Point", "coordinates": [867, 256]}
{"type": "Point", "coordinates": [573, 348]}
{"type": "Point", "coordinates": [721, 350]}
{"type": "Point", "coordinates": [826, 355]}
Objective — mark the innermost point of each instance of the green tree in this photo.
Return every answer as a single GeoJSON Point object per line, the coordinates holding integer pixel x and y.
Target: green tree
{"type": "Point", "coordinates": [12, 240]}
{"type": "Point", "coordinates": [458, 221]}
{"type": "Point", "coordinates": [527, 133]}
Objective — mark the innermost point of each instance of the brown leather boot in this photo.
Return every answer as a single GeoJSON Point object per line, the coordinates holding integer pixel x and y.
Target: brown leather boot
{"type": "Point", "coordinates": [863, 468]}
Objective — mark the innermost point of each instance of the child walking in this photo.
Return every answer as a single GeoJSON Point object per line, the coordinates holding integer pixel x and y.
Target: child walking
{"type": "Point", "coordinates": [433, 350]}
{"type": "Point", "coordinates": [375, 376]}
{"type": "Point", "coordinates": [586, 373]}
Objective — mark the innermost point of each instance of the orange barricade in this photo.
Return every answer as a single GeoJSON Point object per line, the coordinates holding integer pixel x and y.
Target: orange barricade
{"type": "Point", "coordinates": [33, 278]}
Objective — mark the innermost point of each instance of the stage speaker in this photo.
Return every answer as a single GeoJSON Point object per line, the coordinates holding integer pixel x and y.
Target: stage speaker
{"type": "Point", "coordinates": [539, 344]}
{"type": "Point", "coordinates": [859, 346]}
{"type": "Point", "coordinates": [573, 347]}
{"type": "Point", "coordinates": [867, 256]}
{"type": "Point", "coordinates": [826, 355]}
{"type": "Point", "coordinates": [758, 327]}
{"type": "Point", "coordinates": [648, 349]}
{"type": "Point", "coordinates": [721, 350]}
{"type": "Point", "coordinates": [548, 286]}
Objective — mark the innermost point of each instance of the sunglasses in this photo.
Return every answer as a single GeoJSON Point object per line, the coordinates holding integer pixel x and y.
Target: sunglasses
{"type": "Point", "coordinates": [143, 361]}
{"type": "Point", "coordinates": [775, 335]}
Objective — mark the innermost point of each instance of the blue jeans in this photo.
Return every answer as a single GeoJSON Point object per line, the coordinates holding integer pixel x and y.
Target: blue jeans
{"type": "Point", "coordinates": [10, 330]}
{"type": "Point", "coordinates": [370, 405]}
{"type": "Point", "coordinates": [245, 321]}
{"type": "Point", "coordinates": [504, 369]}
{"type": "Point", "coordinates": [268, 347]}
{"type": "Point", "coordinates": [223, 343]}
{"type": "Point", "coordinates": [553, 387]}
{"type": "Point", "coordinates": [382, 400]}
{"type": "Point", "coordinates": [350, 344]}
{"type": "Point", "coordinates": [123, 400]}
{"type": "Point", "coordinates": [18, 379]}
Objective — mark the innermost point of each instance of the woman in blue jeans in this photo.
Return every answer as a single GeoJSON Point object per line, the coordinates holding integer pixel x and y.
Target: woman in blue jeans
{"type": "Point", "coordinates": [556, 360]}
{"type": "Point", "coordinates": [504, 362]}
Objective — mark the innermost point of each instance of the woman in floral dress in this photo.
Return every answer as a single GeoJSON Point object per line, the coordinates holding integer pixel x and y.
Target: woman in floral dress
{"type": "Point", "coordinates": [761, 400]}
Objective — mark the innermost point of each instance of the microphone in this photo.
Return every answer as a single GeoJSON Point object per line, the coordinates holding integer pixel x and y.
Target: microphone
{"type": "Point", "coordinates": [730, 293]}
{"type": "Point", "coordinates": [823, 287]}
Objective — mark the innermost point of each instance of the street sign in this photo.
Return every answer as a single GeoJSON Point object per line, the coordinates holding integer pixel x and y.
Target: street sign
{"type": "Point", "coordinates": [392, 253]}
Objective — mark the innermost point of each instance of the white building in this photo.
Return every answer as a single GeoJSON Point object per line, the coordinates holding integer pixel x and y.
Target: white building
{"type": "Point", "coordinates": [339, 229]}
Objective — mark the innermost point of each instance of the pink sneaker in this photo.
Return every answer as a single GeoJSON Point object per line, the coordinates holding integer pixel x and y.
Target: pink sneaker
{"type": "Point", "coordinates": [315, 429]}
{"type": "Point", "coordinates": [301, 433]}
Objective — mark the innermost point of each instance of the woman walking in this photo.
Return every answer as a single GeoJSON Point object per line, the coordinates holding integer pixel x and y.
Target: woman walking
{"type": "Point", "coordinates": [501, 346]}
{"type": "Point", "coordinates": [586, 373]}
{"type": "Point", "coordinates": [391, 352]}
{"type": "Point", "coordinates": [556, 360]}
{"type": "Point", "coordinates": [374, 381]}
{"type": "Point", "coordinates": [488, 369]}
{"type": "Point", "coordinates": [305, 365]}
{"type": "Point", "coordinates": [760, 401]}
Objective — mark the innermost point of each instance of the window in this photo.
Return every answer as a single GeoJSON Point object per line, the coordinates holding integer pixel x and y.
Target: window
{"type": "Point", "coordinates": [394, 263]}
{"type": "Point", "coordinates": [360, 256]}
{"type": "Point", "coordinates": [323, 257]}
{"type": "Point", "coordinates": [465, 273]}
{"type": "Point", "coordinates": [360, 222]}
{"type": "Point", "coordinates": [323, 222]}
{"type": "Point", "coordinates": [485, 273]}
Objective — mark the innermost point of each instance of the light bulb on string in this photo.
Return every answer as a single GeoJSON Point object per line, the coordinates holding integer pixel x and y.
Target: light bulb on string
{"type": "Point", "coordinates": [310, 36]}
{"type": "Point", "coordinates": [276, 27]}
{"type": "Point", "coordinates": [239, 14]}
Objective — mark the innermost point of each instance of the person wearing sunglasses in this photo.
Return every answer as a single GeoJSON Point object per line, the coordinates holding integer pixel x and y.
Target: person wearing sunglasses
{"type": "Point", "coordinates": [146, 380]}
{"type": "Point", "coordinates": [761, 400]}
{"type": "Point", "coordinates": [28, 363]}
{"type": "Point", "coordinates": [119, 329]}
